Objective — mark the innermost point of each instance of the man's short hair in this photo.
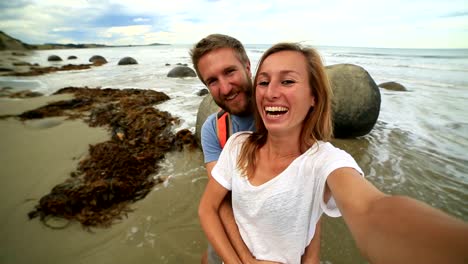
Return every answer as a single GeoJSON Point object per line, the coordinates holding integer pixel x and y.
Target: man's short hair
{"type": "Point", "coordinates": [213, 42]}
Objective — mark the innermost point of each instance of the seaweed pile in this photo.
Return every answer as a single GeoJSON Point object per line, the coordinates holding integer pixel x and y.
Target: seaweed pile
{"type": "Point", "coordinates": [119, 171]}
{"type": "Point", "coordinates": [36, 70]}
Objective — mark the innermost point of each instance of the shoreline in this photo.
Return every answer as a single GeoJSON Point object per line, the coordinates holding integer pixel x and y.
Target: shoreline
{"type": "Point", "coordinates": [13, 106]}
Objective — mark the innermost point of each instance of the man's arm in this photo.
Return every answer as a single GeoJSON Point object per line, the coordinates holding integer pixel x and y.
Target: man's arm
{"type": "Point", "coordinates": [211, 222]}
{"type": "Point", "coordinates": [229, 224]}
{"type": "Point", "coordinates": [312, 251]}
{"type": "Point", "coordinates": [212, 151]}
{"type": "Point", "coordinates": [396, 229]}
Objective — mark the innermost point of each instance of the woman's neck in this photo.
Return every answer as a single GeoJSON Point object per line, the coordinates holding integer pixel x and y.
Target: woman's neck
{"type": "Point", "coordinates": [282, 146]}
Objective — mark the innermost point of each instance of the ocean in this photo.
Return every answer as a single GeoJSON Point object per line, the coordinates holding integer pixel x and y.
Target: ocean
{"type": "Point", "coordinates": [418, 148]}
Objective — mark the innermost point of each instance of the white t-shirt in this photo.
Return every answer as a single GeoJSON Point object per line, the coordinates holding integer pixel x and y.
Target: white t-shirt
{"type": "Point", "coordinates": [277, 219]}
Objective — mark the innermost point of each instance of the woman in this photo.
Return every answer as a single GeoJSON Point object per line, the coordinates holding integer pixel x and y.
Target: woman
{"type": "Point", "coordinates": [284, 176]}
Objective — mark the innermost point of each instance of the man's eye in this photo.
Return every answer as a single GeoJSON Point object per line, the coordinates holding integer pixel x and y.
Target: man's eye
{"type": "Point", "coordinates": [230, 71]}
{"type": "Point", "coordinates": [210, 82]}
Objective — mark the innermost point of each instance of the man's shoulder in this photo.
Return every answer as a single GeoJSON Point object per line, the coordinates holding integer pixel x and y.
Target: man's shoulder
{"type": "Point", "coordinates": [209, 121]}
{"type": "Point", "coordinates": [211, 117]}
{"type": "Point", "coordinates": [243, 123]}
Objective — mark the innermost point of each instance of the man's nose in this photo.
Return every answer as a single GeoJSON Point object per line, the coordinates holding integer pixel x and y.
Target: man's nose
{"type": "Point", "coordinates": [225, 86]}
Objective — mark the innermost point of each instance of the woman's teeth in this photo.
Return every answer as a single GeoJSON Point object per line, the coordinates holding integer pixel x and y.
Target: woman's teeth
{"type": "Point", "coordinates": [276, 110]}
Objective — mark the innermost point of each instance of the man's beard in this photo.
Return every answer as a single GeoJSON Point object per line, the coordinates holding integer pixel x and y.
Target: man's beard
{"type": "Point", "coordinates": [247, 107]}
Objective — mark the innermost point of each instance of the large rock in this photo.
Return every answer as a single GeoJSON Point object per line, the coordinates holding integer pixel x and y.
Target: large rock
{"type": "Point", "coordinates": [181, 71]}
{"type": "Point", "coordinates": [127, 61]}
{"type": "Point", "coordinates": [355, 105]}
{"type": "Point", "coordinates": [356, 100]}
{"type": "Point", "coordinates": [206, 108]}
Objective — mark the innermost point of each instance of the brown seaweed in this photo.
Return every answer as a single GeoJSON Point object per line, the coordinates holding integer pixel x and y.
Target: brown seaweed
{"type": "Point", "coordinates": [35, 70]}
{"type": "Point", "coordinates": [119, 171]}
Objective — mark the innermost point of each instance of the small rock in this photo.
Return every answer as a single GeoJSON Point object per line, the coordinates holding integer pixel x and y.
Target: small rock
{"type": "Point", "coordinates": [98, 60]}
{"type": "Point", "coordinates": [393, 86]}
{"type": "Point", "coordinates": [202, 92]}
{"type": "Point", "coordinates": [127, 61]}
{"type": "Point", "coordinates": [54, 58]}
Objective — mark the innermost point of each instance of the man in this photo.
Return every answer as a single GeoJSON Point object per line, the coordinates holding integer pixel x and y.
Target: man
{"type": "Point", "coordinates": [222, 64]}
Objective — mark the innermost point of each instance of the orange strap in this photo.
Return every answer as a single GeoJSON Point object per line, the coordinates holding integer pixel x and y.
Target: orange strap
{"type": "Point", "coordinates": [223, 127]}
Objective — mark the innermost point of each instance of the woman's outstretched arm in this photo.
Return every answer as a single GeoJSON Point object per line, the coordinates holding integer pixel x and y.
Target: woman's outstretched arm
{"type": "Point", "coordinates": [396, 229]}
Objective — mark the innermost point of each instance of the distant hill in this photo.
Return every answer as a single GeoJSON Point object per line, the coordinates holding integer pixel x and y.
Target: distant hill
{"type": "Point", "coordinates": [9, 43]}
{"type": "Point", "coordinates": [67, 46]}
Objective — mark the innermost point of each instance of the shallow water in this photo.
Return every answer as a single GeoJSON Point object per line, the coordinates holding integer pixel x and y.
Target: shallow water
{"type": "Point", "coordinates": [419, 148]}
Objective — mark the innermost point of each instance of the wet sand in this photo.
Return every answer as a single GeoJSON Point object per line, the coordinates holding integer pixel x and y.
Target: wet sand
{"type": "Point", "coordinates": [39, 154]}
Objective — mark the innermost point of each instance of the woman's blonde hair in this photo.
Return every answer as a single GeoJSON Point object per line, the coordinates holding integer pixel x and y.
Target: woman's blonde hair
{"type": "Point", "coordinates": [318, 122]}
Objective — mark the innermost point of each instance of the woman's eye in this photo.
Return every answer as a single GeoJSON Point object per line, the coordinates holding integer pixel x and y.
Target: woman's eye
{"type": "Point", "coordinates": [286, 82]}
{"type": "Point", "coordinates": [262, 83]}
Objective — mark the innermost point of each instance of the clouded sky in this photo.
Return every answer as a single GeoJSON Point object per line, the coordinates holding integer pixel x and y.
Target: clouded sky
{"type": "Point", "coordinates": [363, 23]}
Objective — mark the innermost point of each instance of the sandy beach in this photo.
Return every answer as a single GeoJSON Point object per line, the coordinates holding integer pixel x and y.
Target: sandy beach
{"type": "Point", "coordinates": [39, 154]}
{"type": "Point", "coordinates": [35, 148]}
{"type": "Point", "coordinates": [36, 155]}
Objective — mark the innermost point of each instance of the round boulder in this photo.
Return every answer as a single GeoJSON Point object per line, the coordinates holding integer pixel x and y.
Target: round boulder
{"type": "Point", "coordinates": [54, 58]}
{"type": "Point", "coordinates": [181, 71]}
{"type": "Point", "coordinates": [356, 100]}
{"type": "Point", "coordinates": [206, 108]}
{"type": "Point", "coordinates": [127, 61]}
{"type": "Point", "coordinates": [355, 104]}
{"type": "Point", "coordinates": [393, 86]}
{"type": "Point", "coordinates": [98, 60]}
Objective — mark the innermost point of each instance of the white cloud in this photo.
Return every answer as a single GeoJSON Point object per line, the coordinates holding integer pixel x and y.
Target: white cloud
{"type": "Point", "coordinates": [139, 19]}
{"type": "Point", "coordinates": [63, 29]}
{"type": "Point", "coordinates": [392, 23]}
{"type": "Point", "coordinates": [129, 30]}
